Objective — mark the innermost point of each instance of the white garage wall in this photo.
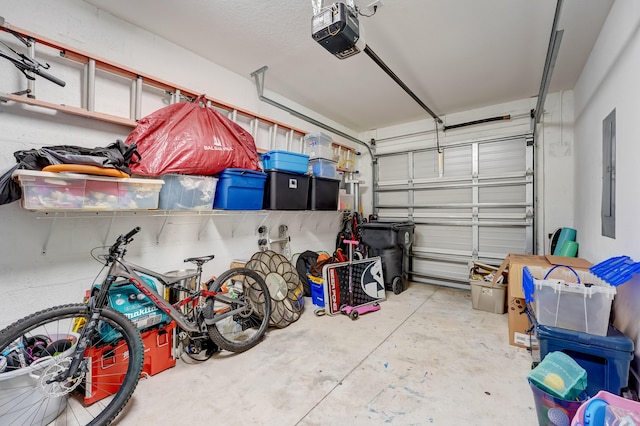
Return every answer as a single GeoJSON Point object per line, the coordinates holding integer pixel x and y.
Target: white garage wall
{"type": "Point", "coordinates": [610, 80]}
{"type": "Point", "coordinates": [30, 280]}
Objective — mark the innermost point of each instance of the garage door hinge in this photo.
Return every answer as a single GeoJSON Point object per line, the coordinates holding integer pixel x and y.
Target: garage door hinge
{"type": "Point", "coordinates": [529, 215]}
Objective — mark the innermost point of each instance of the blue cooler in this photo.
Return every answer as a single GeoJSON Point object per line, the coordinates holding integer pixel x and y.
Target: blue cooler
{"type": "Point", "coordinates": [605, 358]}
{"type": "Point", "coordinates": [240, 189]}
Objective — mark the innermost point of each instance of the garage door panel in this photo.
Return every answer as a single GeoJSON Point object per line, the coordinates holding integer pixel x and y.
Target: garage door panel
{"type": "Point", "coordinates": [502, 194]}
{"type": "Point", "coordinates": [501, 157]}
{"type": "Point", "coordinates": [457, 162]}
{"type": "Point", "coordinates": [506, 213]}
{"type": "Point", "coordinates": [425, 165]}
{"type": "Point", "coordinates": [498, 242]}
{"type": "Point", "coordinates": [443, 237]}
{"type": "Point", "coordinates": [440, 272]}
{"type": "Point", "coordinates": [479, 208]}
{"type": "Point", "coordinates": [393, 198]}
{"type": "Point", "coordinates": [439, 196]}
{"type": "Point", "coordinates": [393, 168]}
{"type": "Point", "coordinates": [444, 213]}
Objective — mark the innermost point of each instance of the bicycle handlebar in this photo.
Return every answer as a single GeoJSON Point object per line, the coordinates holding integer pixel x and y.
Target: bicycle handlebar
{"type": "Point", "coordinates": [122, 239]}
{"type": "Point", "coordinates": [24, 66]}
{"type": "Point", "coordinates": [131, 233]}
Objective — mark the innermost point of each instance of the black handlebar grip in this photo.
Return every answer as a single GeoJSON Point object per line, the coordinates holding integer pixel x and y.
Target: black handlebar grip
{"type": "Point", "coordinates": [131, 233]}
{"type": "Point", "coordinates": [49, 77]}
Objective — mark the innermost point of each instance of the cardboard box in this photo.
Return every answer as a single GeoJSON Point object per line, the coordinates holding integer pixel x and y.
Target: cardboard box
{"type": "Point", "coordinates": [521, 333]}
{"type": "Point", "coordinates": [519, 261]}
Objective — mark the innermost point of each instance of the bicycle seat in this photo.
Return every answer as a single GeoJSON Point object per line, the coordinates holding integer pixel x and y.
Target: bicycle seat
{"type": "Point", "coordinates": [201, 260]}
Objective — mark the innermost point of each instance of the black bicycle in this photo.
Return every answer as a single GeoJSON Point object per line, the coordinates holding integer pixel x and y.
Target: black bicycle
{"type": "Point", "coordinates": [79, 364]}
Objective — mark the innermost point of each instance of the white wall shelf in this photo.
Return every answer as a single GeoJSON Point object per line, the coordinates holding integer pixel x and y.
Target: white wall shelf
{"type": "Point", "coordinates": [311, 219]}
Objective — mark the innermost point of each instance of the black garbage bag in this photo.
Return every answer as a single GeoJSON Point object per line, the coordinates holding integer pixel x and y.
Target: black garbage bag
{"type": "Point", "coordinates": [304, 262]}
{"type": "Point", "coordinates": [117, 155]}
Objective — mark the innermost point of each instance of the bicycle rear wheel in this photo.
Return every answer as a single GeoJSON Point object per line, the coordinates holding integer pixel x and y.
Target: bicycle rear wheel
{"type": "Point", "coordinates": [244, 291]}
{"type": "Point", "coordinates": [40, 346]}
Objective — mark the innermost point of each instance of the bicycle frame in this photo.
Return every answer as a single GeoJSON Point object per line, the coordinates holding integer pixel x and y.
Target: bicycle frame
{"type": "Point", "coordinates": [120, 268]}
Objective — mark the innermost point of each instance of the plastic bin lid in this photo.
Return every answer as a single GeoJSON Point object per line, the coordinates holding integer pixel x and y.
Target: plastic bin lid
{"type": "Point", "coordinates": [614, 340]}
{"type": "Point", "coordinates": [286, 172]}
{"type": "Point", "coordinates": [527, 285]}
{"type": "Point", "coordinates": [616, 270]}
{"type": "Point", "coordinates": [243, 172]}
{"type": "Point", "coordinates": [281, 151]}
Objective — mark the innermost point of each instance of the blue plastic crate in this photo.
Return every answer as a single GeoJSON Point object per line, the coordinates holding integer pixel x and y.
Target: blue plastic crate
{"type": "Point", "coordinates": [605, 358]}
{"type": "Point", "coordinates": [285, 161]}
{"type": "Point", "coordinates": [240, 189]}
{"type": "Point", "coordinates": [317, 293]}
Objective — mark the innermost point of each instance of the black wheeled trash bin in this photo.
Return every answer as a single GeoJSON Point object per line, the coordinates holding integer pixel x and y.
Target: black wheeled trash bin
{"type": "Point", "coordinates": [392, 242]}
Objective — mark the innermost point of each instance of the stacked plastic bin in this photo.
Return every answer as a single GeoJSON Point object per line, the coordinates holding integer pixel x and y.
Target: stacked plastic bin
{"type": "Point", "coordinates": [287, 183]}
{"type": "Point", "coordinates": [324, 185]}
{"type": "Point", "coordinates": [392, 242]}
{"type": "Point", "coordinates": [572, 309]}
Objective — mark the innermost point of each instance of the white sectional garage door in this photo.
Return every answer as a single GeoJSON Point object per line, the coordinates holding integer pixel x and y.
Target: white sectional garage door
{"type": "Point", "coordinates": [479, 206]}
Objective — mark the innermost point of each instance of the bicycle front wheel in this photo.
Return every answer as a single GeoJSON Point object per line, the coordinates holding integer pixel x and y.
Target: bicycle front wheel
{"type": "Point", "coordinates": [240, 310]}
{"type": "Point", "coordinates": [38, 350]}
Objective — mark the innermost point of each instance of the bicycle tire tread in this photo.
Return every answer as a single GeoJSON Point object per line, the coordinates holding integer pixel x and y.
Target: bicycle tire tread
{"type": "Point", "coordinates": [14, 330]}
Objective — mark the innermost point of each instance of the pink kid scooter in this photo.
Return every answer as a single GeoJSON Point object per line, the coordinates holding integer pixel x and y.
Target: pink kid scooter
{"type": "Point", "coordinates": [355, 311]}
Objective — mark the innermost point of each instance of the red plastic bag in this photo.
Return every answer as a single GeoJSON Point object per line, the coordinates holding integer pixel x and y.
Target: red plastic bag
{"type": "Point", "coordinates": [190, 138]}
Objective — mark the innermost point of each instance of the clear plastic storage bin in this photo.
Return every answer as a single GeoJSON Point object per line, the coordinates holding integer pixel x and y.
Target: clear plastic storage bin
{"type": "Point", "coordinates": [73, 191]}
{"type": "Point", "coordinates": [565, 298]}
{"type": "Point", "coordinates": [187, 192]}
{"type": "Point", "coordinates": [322, 167]}
{"type": "Point", "coordinates": [318, 145]}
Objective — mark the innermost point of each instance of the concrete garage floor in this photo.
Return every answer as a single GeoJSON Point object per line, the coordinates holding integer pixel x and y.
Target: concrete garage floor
{"type": "Point", "coordinates": [425, 358]}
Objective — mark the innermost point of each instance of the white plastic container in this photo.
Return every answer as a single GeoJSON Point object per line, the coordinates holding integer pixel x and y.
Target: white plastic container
{"type": "Point", "coordinates": [563, 300]}
{"type": "Point", "coordinates": [25, 380]}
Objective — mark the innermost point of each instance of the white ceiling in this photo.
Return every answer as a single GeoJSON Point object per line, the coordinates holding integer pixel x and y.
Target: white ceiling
{"type": "Point", "coordinates": [455, 55]}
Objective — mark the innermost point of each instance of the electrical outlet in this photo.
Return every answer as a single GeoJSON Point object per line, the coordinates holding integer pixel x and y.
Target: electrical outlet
{"type": "Point", "coordinates": [374, 6]}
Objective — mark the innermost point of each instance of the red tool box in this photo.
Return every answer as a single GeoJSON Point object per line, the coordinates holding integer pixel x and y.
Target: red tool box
{"type": "Point", "coordinates": [107, 369]}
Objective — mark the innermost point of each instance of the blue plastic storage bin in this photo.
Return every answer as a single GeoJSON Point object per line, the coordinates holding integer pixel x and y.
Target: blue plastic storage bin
{"type": "Point", "coordinates": [317, 292]}
{"type": "Point", "coordinates": [605, 358]}
{"type": "Point", "coordinates": [285, 161]}
{"type": "Point", "coordinates": [240, 189]}
{"type": "Point", "coordinates": [322, 167]}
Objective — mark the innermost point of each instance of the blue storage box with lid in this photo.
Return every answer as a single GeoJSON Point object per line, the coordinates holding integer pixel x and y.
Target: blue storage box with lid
{"type": "Point", "coordinates": [285, 161]}
{"type": "Point", "coordinates": [322, 167]}
{"type": "Point", "coordinates": [240, 189]}
{"type": "Point", "coordinates": [605, 358]}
